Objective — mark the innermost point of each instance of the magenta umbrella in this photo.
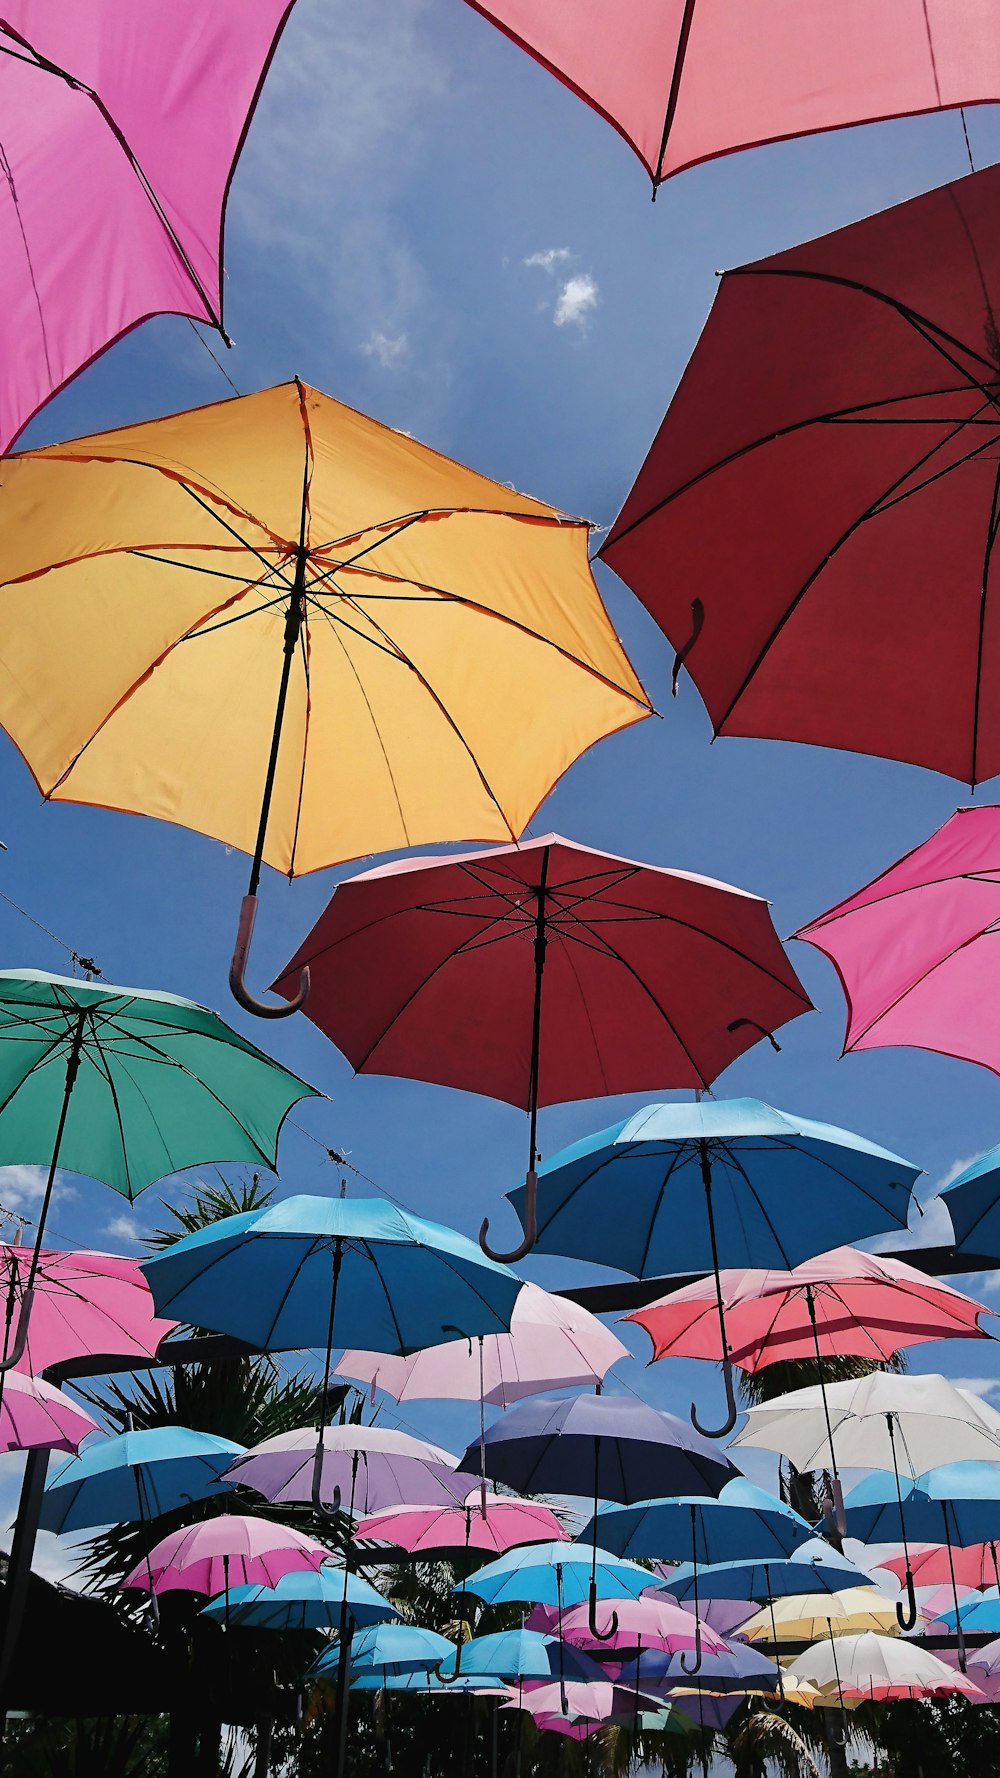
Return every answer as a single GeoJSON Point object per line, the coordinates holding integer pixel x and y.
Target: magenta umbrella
{"type": "Point", "coordinates": [122, 127]}
{"type": "Point", "coordinates": [911, 948]}
{"type": "Point", "coordinates": [502, 1523]}
{"type": "Point", "coordinates": [34, 1415]}
{"type": "Point", "coordinates": [84, 1304]}
{"type": "Point", "coordinates": [228, 1551]}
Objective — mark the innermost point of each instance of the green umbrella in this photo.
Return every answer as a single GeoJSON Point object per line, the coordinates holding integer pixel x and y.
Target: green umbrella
{"type": "Point", "coordinates": [125, 1086]}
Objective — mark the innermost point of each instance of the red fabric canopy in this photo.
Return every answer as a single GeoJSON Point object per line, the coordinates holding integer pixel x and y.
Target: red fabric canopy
{"type": "Point", "coordinates": [820, 506]}
{"type": "Point", "coordinates": [686, 80]}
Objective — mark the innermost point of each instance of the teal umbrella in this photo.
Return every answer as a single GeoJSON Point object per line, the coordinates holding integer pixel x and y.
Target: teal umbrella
{"type": "Point", "coordinates": [125, 1086]}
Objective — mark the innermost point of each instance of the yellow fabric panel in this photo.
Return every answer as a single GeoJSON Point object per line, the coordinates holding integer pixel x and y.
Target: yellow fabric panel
{"type": "Point", "coordinates": [805, 1618]}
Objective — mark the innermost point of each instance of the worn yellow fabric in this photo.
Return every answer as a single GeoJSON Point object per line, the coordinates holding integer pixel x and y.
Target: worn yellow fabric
{"type": "Point", "coordinates": [807, 1617]}
{"type": "Point", "coordinates": [455, 657]}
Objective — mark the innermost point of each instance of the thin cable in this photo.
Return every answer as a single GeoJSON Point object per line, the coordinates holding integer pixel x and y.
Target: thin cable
{"type": "Point", "coordinates": [85, 963]}
{"type": "Point", "coordinates": [965, 132]}
{"type": "Point", "coordinates": [340, 1159]}
{"type": "Point", "coordinates": [217, 362]}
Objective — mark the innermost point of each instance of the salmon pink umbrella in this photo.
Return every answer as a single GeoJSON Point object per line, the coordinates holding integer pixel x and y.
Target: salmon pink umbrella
{"type": "Point", "coordinates": [544, 972]}
{"type": "Point", "coordinates": [932, 1564]}
{"type": "Point", "coordinates": [34, 1415]}
{"type": "Point", "coordinates": [830, 522]}
{"type": "Point", "coordinates": [501, 1523]}
{"type": "Point", "coordinates": [911, 948]}
{"type": "Point", "coordinates": [685, 80]}
{"type": "Point", "coordinates": [122, 128]}
{"type": "Point", "coordinates": [227, 1551]}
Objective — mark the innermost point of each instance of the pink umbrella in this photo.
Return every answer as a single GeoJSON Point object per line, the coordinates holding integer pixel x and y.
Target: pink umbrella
{"type": "Point", "coordinates": [552, 1344]}
{"type": "Point", "coordinates": [122, 127]}
{"type": "Point", "coordinates": [976, 1566]}
{"type": "Point", "coordinates": [85, 1304]}
{"type": "Point", "coordinates": [905, 946]}
{"type": "Point", "coordinates": [365, 1468]}
{"type": "Point", "coordinates": [683, 83]}
{"type": "Point", "coordinates": [226, 1551]}
{"type": "Point", "coordinates": [594, 1700]}
{"type": "Point", "coordinates": [841, 1303]}
{"type": "Point", "coordinates": [35, 1415]}
{"type": "Point", "coordinates": [506, 1523]}
{"type": "Point", "coordinates": [655, 1622]}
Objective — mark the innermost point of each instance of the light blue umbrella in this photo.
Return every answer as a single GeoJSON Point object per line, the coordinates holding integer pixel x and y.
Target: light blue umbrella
{"type": "Point", "coordinates": [302, 1601]}
{"type": "Point", "coordinates": [721, 1182]}
{"type": "Point", "coordinates": [743, 1522]}
{"type": "Point", "coordinates": [426, 1682]}
{"type": "Point", "coordinates": [523, 1654]}
{"type": "Point", "coordinates": [555, 1574]}
{"type": "Point", "coordinates": [136, 1476]}
{"type": "Point", "coordinates": [387, 1649]}
{"type": "Point", "coordinates": [981, 1613]}
{"type": "Point", "coordinates": [972, 1200]}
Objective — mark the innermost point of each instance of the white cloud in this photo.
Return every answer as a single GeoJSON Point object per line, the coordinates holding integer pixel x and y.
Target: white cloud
{"type": "Point", "coordinates": [984, 1387]}
{"type": "Point", "coordinates": [21, 1187]}
{"type": "Point", "coordinates": [958, 1167]}
{"type": "Point", "coordinates": [386, 349]}
{"type": "Point", "coordinates": [125, 1230]}
{"type": "Point", "coordinates": [549, 258]}
{"type": "Point", "coordinates": [577, 298]}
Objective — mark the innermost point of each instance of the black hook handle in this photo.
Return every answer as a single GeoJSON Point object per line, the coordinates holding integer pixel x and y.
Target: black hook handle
{"type": "Point", "coordinates": [906, 1619]}
{"type": "Point", "coordinates": [699, 1652]}
{"type": "Point", "coordinates": [733, 1414]}
{"type": "Point", "coordinates": [237, 971]}
{"type": "Point", "coordinates": [316, 1496]}
{"type": "Point", "coordinates": [737, 1025]}
{"type": "Point", "coordinates": [697, 619]}
{"type": "Point", "coordinates": [21, 1337]}
{"type": "Point", "coordinates": [611, 1632]}
{"type": "Point", "coordinates": [530, 1225]}
{"type": "Point", "coordinates": [450, 1678]}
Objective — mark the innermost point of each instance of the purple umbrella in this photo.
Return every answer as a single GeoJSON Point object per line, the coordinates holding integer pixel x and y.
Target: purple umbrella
{"type": "Point", "coordinates": [365, 1468]}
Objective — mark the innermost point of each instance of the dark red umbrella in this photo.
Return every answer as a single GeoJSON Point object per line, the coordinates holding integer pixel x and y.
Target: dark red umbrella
{"type": "Point", "coordinates": [544, 972]}
{"type": "Point", "coordinates": [814, 525]}
{"type": "Point", "coordinates": [686, 80]}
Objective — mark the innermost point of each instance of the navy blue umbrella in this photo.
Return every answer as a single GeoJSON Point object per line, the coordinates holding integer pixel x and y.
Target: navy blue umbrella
{"type": "Point", "coordinates": [736, 1669]}
{"type": "Point", "coordinates": [816, 1567]}
{"type": "Point", "coordinates": [721, 1182]}
{"type": "Point", "coordinates": [744, 1521]}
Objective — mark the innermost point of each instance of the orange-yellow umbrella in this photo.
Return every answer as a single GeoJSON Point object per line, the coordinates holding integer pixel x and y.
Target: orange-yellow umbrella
{"type": "Point", "coordinates": [277, 622]}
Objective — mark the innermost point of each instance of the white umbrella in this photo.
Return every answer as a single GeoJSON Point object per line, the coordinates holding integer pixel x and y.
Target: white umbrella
{"type": "Point", "coordinates": [871, 1666]}
{"type": "Point", "coordinates": [804, 1616]}
{"type": "Point", "coordinates": [882, 1421]}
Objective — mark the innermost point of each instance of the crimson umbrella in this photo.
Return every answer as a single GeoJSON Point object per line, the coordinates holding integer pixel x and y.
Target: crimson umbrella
{"type": "Point", "coordinates": [825, 490]}
{"type": "Point", "coordinates": [685, 80]}
{"type": "Point", "coordinates": [122, 128]}
{"type": "Point", "coordinates": [544, 972]}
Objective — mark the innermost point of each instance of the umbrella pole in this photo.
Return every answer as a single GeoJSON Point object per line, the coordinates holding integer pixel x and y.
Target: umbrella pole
{"type": "Point", "coordinates": [696, 1666]}
{"type": "Point", "coordinates": [906, 1619]}
{"type": "Point", "coordinates": [482, 1430]}
{"type": "Point", "coordinates": [727, 1367]}
{"type": "Point", "coordinates": [146, 1529]}
{"type": "Point", "coordinates": [839, 1523]}
{"type": "Point", "coordinates": [225, 1571]}
{"type": "Point", "coordinates": [450, 1678]}
{"type": "Point", "coordinates": [564, 1707]}
{"type": "Point", "coordinates": [774, 1631]}
{"type": "Point", "coordinates": [341, 1711]}
{"type": "Point", "coordinates": [72, 1067]}
{"type": "Point", "coordinates": [612, 1630]}
{"type": "Point", "coordinates": [996, 1569]}
{"type": "Point", "coordinates": [531, 1178]}
{"type": "Point", "coordinates": [960, 1634]}
{"type": "Point", "coordinates": [294, 619]}
{"type": "Point", "coordinates": [638, 1664]}
{"type": "Point", "coordinates": [840, 1689]}
{"type": "Point", "coordinates": [319, 1505]}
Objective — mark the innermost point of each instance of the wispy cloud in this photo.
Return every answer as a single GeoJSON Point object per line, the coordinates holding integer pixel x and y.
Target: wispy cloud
{"type": "Point", "coordinates": [387, 350]}
{"type": "Point", "coordinates": [549, 258]}
{"type": "Point", "coordinates": [577, 299]}
{"type": "Point", "coordinates": [124, 1230]}
{"type": "Point", "coordinates": [984, 1387]}
{"type": "Point", "coordinates": [21, 1187]}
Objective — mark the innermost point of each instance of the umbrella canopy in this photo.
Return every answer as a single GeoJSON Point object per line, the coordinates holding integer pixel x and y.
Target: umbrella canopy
{"type": "Point", "coordinates": [959, 1502]}
{"type": "Point", "coordinates": [814, 1567]}
{"type": "Point", "coordinates": [554, 1574]}
{"type": "Point", "coordinates": [975, 1565]}
{"type": "Point", "coordinates": [872, 1666]}
{"type": "Point", "coordinates": [480, 1685]}
{"type": "Point", "coordinates": [733, 1669]}
{"type": "Point", "coordinates": [523, 1655]}
{"type": "Point", "coordinates": [386, 1648]}
{"type": "Point", "coordinates": [34, 1415]}
{"type": "Point", "coordinates": [308, 1271]}
{"type": "Point", "coordinates": [743, 1521]}
{"type": "Point", "coordinates": [377, 1467]}
{"type": "Point", "coordinates": [585, 1700]}
{"type": "Point", "coordinates": [684, 84]}
{"type": "Point", "coordinates": [855, 451]}
{"type": "Point", "coordinates": [552, 1344]}
{"type": "Point", "coordinates": [910, 950]}
{"type": "Point", "coordinates": [83, 1303]}
{"type": "Point", "coordinates": [651, 1620]}
{"type": "Point", "coordinates": [976, 1612]}
{"type": "Point", "coordinates": [612, 1446]}
{"type": "Point", "coordinates": [506, 1522]}
{"type": "Point", "coordinates": [116, 179]}
{"type": "Point", "coordinates": [365, 614]}
{"type": "Point", "coordinates": [303, 1601]}
{"type": "Point", "coordinates": [879, 1421]}
{"type": "Point", "coordinates": [136, 1475]}
{"type": "Point", "coordinates": [841, 1304]}
{"type": "Point", "coordinates": [807, 1616]}
{"type": "Point", "coordinates": [972, 1200]}
{"type": "Point", "coordinates": [228, 1551]}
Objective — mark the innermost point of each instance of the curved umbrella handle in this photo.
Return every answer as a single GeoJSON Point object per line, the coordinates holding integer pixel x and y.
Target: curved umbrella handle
{"type": "Point", "coordinates": [237, 971]}
{"type": "Point", "coordinates": [21, 1337]}
{"type": "Point", "coordinates": [738, 1024]}
{"type": "Point", "coordinates": [906, 1619]}
{"type": "Point", "coordinates": [450, 1678]}
{"type": "Point", "coordinates": [611, 1632]}
{"type": "Point", "coordinates": [530, 1225]}
{"type": "Point", "coordinates": [733, 1414]}
{"type": "Point", "coordinates": [318, 1503]}
{"type": "Point", "coordinates": [697, 620]}
{"type": "Point", "coordinates": [699, 1653]}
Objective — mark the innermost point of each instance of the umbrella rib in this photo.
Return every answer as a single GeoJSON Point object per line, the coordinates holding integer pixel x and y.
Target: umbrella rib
{"type": "Point", "coordinates": [918, 982]}
{"type": "Point", "coordinates": [244, 543]}
{"type": "Point", "coordinates": [681, 1153]}
{"type": "Point", "coordinates": [99, 1061]}
{"type": "Point", "coordinates": [701, 932]}
{"type": "Point", "coordinates": [362, 692]}
{"type": "Point", "coordinates": [991, 537]}
{"type": "Point", "coordinates": [731, 1156]}
{"type": "Point", "coordinates": [304, 645]}
{"type": "Point", "coordinates": [977, 451]}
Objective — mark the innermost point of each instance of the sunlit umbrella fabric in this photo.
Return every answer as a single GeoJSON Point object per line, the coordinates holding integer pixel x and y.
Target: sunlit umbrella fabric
{"type": "Point", "coordinates": [34, 1415]}
{"type": "Point", "coordinates": [386, 1649]}
{"type": "Point", "coordinates": [84, 1303]}
{"type": "Point", "coordinates": [744, 1521]}
{"type": "Point", "coordinates": [555, 1573]}
{"type": "Point", "coordinates": [135, 1476]}
{"type": "Point", "coordinates": [230, 1550]}
{"type": "Point", "coordinates": [378, 1467]}
{"type": "Point", "coordinates": [873, 1666]}
{"type": "Point", "coordinates": [814, 1567]}
{"type": "Point", "coordinates": [303, 1601]}
{"type": "Point", "coordinates": [805, 1617]}
{"type": "Point", "coordinates": [500, 1523]}
{"type": "Point", "coordinates": [523, 1655]}
{"type": "Point", "coordinates": [928, 1414]}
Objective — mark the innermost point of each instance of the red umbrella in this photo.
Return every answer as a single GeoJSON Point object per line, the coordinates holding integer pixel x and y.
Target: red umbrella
{"type": "Point", "coordinates": [686, 80]}
{"type": "Point", "coordinates": [815, 522]}
{"type": "Point", "coordinates": [544, 972]}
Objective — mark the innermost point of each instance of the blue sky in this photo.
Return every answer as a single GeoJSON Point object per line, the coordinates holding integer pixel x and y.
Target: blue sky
{"type": "Point", "coordinates": [428, 227]}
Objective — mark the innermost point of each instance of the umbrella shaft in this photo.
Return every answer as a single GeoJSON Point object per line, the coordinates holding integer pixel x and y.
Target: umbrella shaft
{"type": "Point", "coordinates": [293, 625]}
{"type": "Point", "coordinates": [72, 1067]}
{"type": "Point", "coordinates": [536, 1012]}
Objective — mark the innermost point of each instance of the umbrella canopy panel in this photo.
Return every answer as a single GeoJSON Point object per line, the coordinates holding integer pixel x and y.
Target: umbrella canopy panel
{"type": "Point", "coordinates": [136, 1476]}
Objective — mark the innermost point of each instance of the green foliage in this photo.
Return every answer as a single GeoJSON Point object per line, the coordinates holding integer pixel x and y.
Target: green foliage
{"type": "Point", "coordinates": [88, 1747]}
{"type": "Point", "coordinates": [937, 1736]}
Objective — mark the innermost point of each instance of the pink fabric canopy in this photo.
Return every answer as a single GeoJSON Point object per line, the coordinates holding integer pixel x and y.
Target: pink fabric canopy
{"type": "Point", "coordinates": [227, 1551]}
{"type": "Point", "coordinates": [552, 1344]}
{"type": "Point", "coordinates": [686, 80]}
{"type": "Point", "coordinates": [661, 1624]}
{"type": "Point", "coordinates": [977, 1565]}
{"type": "Point", "coordinates": [122, 124]}
{"type": "Point", "coordinates": [508, 1522]}
{"type": "Point", "coordinates": [34, 1415]}
{"type": "Point", "coordinates": [85, 1304]}
{"type": "Point", "coordinates": [865, 1306]}
{"type": "Point", "coordinates": [911, 947]}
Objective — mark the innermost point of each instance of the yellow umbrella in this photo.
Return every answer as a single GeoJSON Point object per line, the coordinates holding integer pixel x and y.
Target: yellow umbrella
{"type": "Point", "coordinates": [277, 622]}
{"type": "Point", "coordinates": [806, 1617]}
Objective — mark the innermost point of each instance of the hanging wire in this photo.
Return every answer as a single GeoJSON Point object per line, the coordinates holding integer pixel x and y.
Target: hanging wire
{"type": "Point", "coordinates": [216, 361]}
{"type": "Point", "coordinates": [87, 964]}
